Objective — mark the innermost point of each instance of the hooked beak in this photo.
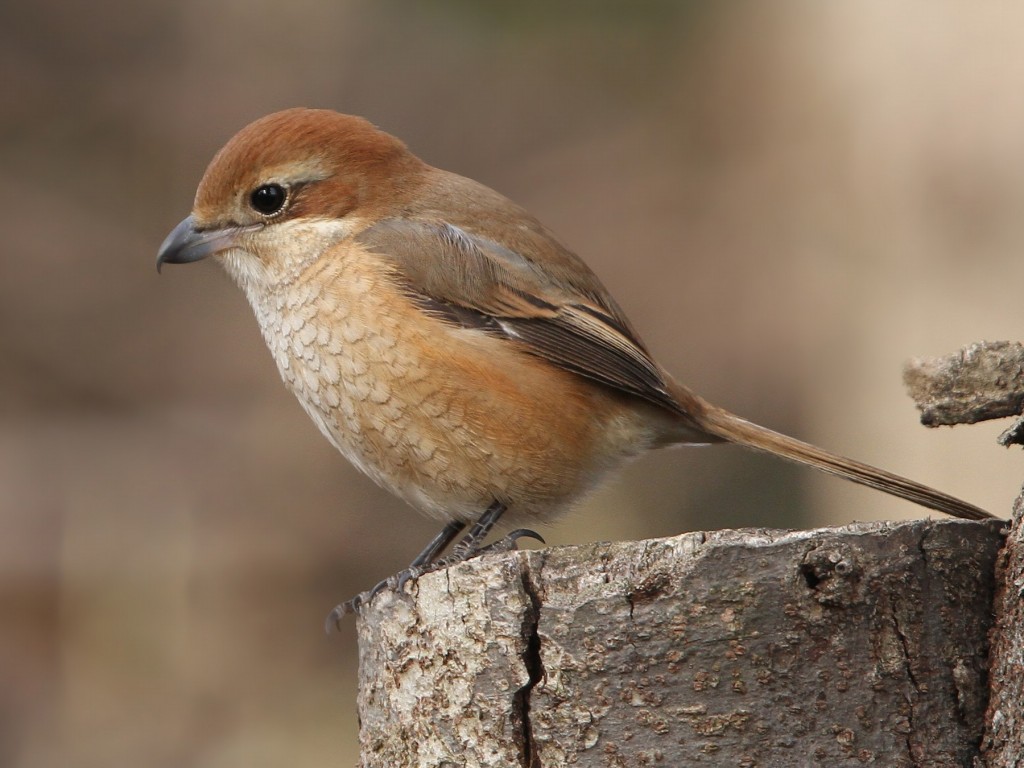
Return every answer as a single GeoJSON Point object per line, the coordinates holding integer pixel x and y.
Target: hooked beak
{"type": "Point", "coordinates": [186, 243]}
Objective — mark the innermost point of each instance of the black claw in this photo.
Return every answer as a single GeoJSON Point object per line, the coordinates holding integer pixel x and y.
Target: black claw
{"type": "Point", "coordinates": [395, 583]}
{"type": "Point", "coordinates": [508, 543]}
{"type": "Point", "coordinates": [404, 577]}
{"type": "Point", "coordinates": [525, 533]}
{"type": "Point", "coordinates": [353, 606]}
{"type": "Point", "coordinates": [333, 620]}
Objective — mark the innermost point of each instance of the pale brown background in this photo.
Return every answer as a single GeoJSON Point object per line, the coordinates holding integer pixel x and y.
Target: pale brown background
{"type": "Point", "coordinates": [789, 199]}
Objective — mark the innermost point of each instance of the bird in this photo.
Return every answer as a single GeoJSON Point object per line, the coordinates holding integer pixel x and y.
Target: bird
{"type": "Point", "coordinates": [443, 339]}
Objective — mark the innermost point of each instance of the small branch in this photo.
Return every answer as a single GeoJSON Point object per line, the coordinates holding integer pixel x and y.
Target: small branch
{"type": "Point", "coordinates": [983, 381]}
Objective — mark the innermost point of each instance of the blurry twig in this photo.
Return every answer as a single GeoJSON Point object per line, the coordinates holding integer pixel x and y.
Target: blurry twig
{"type": "Point", "coordinates": [980, 382]}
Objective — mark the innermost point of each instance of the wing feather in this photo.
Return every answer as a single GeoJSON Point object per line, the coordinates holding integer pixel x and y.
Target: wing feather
{"type": "Point", "coordinates": [477, 283]}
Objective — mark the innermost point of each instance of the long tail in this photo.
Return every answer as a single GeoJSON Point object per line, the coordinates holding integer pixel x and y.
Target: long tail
{"type": "Point", "coordinates": [722, 424]}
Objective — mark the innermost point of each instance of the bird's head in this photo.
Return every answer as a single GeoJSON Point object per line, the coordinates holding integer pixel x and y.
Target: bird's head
{"type": "Point", "coordinates": [287, 187]}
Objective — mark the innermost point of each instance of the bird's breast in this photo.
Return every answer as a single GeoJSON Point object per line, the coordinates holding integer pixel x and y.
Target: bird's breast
{"type": "Point", "coordinates": [448, 418]}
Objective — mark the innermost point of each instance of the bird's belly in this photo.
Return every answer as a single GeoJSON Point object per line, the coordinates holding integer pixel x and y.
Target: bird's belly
{"type": "Point", "coordinates": [447, 418]}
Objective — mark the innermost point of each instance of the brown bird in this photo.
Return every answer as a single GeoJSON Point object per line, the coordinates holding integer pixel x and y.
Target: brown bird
{"type": "Point", "coordinates": [442, 338]}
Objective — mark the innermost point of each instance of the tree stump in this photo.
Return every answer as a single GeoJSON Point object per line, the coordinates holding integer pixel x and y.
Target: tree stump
{"type": "Point", "coordinates": [1004, 736]}
{"type": "Point", "coordinates": [861, 645]}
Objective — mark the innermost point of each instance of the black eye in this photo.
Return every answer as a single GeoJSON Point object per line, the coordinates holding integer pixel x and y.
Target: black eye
{"type": "Point", "coordinates": [268, 199]}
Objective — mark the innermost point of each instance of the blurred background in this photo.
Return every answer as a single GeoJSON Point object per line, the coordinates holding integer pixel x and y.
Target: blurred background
{"type": "Point", "coordinates": [789, 199]}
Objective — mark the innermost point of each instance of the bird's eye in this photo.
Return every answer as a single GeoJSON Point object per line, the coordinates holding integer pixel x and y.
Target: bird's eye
{"type": "Point", "coordinates": [268, 199]}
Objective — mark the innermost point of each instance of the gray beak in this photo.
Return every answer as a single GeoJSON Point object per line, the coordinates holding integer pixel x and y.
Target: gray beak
{"type": "Point", "coordinates": [186, 243]}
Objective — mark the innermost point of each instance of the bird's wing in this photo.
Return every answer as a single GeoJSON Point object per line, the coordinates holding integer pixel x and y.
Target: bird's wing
{"type": "Point", "coordinates": [476, 282]}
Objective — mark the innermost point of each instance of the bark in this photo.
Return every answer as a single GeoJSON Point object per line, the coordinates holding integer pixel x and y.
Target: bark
{"type": "Point", "coordinates": [1004, 736]}
{"type": "Point", "coordinates": [860, 645]}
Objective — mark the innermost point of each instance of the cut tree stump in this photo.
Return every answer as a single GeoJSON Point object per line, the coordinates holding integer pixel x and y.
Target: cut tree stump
{"type": "Point", "coordinates": [861, 645]}
{"type": "Point", "coordinates": [1004, 721]}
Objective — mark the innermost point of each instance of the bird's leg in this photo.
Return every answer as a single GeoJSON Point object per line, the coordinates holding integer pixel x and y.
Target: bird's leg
{"type": "Point", "coordinates": [427, 560]}
{"type": "Point", "coordinates": [470, 543]}
{"type": "Point", "coordinates": [437, 545]}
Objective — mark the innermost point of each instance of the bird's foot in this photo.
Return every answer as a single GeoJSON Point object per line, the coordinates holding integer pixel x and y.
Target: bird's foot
{"type": "Point", "coordinates": [463, 551]}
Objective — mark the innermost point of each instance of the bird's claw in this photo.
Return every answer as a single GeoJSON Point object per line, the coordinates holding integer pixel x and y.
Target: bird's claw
{"type": "Point", "coordinates": [396, 583]}
{"type": "Point", "coordinates": [510, 541]}
{"type": "Point", "coordinates": [355, 605]}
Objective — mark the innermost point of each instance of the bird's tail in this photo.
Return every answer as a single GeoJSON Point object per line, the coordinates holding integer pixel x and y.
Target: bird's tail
{"type": "Point", "coordinates": [727, 426]}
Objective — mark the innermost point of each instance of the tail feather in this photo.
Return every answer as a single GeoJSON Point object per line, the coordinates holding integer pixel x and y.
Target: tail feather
{"type": "Point", "coordinates": [722, 424]}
